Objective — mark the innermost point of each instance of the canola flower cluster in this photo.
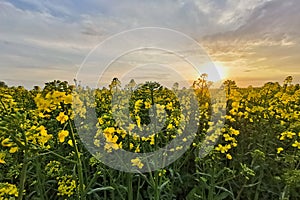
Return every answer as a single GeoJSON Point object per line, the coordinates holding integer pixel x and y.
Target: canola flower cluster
{"type": "Point", "coordinates": [46, 128]}
{"type": "Point", "coordinates": [52, 100]}
{"type": "Point", "coordinates": [8, 191]}
{"type": "Point", "coordinates": [66, 186]}
{"type": "Point", "coordinates": [228, 136]}
{"type": "Point", "coordinates": [53, 168]}
{"type": "Point", "coordinates": [112, 137]}
{"type": "Point", "coordinates": [271, 104]}
{"type": "Point", "coordinates": [35, 134]}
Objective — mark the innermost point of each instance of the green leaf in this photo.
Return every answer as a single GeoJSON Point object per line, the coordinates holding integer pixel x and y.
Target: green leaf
{"type": "Point", "coordinates": [164, 184]}
{"type": "Point", "coordinates": [222, 196]}
{"type": "Point", "coordinates": [100, 189]}
{"type": "Point", "coordinates": [225, 190]}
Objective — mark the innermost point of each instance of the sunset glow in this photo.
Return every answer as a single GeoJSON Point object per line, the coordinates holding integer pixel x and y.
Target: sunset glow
{"type": "Point", "coordinates": [239, 36]}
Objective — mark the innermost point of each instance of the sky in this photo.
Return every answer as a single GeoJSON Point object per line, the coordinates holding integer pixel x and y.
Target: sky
{"type": "Point", "coordinates": [251, 42]}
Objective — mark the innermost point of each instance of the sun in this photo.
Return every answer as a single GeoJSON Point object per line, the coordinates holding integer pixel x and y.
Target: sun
{"type": "Point", "coordinates": [216, 71]}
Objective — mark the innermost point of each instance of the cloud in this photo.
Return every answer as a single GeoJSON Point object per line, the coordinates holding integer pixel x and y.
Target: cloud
{"type": "Point", "coordinates": [53, 37]}
{"type": "Point", "coordinates": [36, 41]}
{"type": "Point", "coordinates": [266, 45]}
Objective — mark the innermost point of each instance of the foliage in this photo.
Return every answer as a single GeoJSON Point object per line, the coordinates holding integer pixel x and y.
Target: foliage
{"type": "Point", "coordinates": [257, 155]}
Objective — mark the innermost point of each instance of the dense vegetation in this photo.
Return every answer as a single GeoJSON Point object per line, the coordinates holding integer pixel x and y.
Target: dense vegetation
{"type": "Point", "coordinates": [256, 155]}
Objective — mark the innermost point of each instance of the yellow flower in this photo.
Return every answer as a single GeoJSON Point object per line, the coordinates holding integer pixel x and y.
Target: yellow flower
{"type": "Point", "coordinates": [147, 105]}
{"type": "Point", "coordinates": [137, 149]}
{"type": "Point", "coordinates": [210, 123]}
{"type": "Point", "coordinates": [290, 134]}
{"type": "Point", "coordinates": [44, 137]}
{"type": "Point", "coordinates": [97, 143]}
{"type": "Point", "coordinates": [122, 133]}
{"type": "Point", "coordinates": [110, 146]}
{"type": "Point", "coordinates": [178, 148]}
{"type": "Point", "coordinates": [62, 118]}
{"type": "Point", "coordinates": [13, 150]}
{"type": "Point", "coordinates": [170, 126]}
{"type": "Point", "coordinates": [100, 120]}
{"type": "Point", "coordinates": [109, 131]}
{"type": "Point", "coordinates": [131, 127]}
{"type": "Point", "coordinates": [138, 121]}
{"type": "Point", "coordinates": [68, 99]}
{"type": "Point", "coordinates": [6, 143]}
{"type": "Point", "coordinates": [228, 156]}
{"type": "Point", "coordinates": [279, 150]}
{"type": "Point", "coordinates": [111, 138]}
{"type": "Point", "coordinates": [287, 134]}
{"type": "Point", "coordinates": [169, 106]}
{"type": "Point", "coordinates": [223, 149]}
{"type": "Point", "coordinates": [9, 191]}
{"type": "Point", "coordinates": [70, 142]}
{"type": "Point", "coordinates": [66, 186]}
{"type": "Point", "coordinates": [131, 146]}
{"type": "Point", "coordinates": [162, 172]}
{"type": "Point", "coordinates": [137, 162]}
{"type": "Point", "coordinates": [2, 156]}
{"type": "Point", "coordinates": [41, 115]}
{"type": "Point", "coordinates": [296, 144]}
{"type": "Point", "coordinates": [137, 105]}
{"type": "Point", "coordinates": [62, 135]}
{"type": "Point", "coordinates": [230, 118]}
{"type": "Point", "coordinates": [227, 137]}
{"type": "Point", "coordinates": [234, 132]}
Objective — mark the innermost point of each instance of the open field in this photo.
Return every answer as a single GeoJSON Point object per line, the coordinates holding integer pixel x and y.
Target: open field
{"type": "Point", "coordinates": [255, 153]}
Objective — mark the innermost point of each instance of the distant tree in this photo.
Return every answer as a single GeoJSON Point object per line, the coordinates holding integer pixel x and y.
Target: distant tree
{"type": "Point", "coordinates": [75, 81]}
{"type": "Point", "coordinates": [228, 86]}
{"type": "Point", "coordinates": [175, 86]}
{"type": "Point", "coordinates": [115, 84]}
{"type": "Point", "coordinates": [132, 84]}
{"type": "Point", "coordinates": [270, 89]}
{"type": "Point", "coordinates": [202, 82]}
{"type": "Point", "coordinates": [201, 87]}
{"type": "Point", "coordinates": [288, 81]}
{"type": "Point", "coordinates": [58, 85]}
{"type": "Point", "coordinates": [3, 84]}
{"type": "Point", "coordinates": [36, 88]}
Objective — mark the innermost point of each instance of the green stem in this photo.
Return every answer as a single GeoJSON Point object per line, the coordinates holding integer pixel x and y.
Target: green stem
{"type": "Point", "coordinates": [256, 197]}
{"type": "Point", "coordinates": [91, 182]}
{"type": "Point", "coordinates": [138, 188]}
{"type": "Point", "coordinates": [23, 175]}
{"type": "Point", "coordinates": [211, 191]}
{"type": "Point", "coordinates": [226, 180]}
{"type": "Point", "coordinates": [51, 152]}
{"type": "Point", "coordinates": [24, 168]}
{"type": "Point", "coordinates": [104, 183]}
{"type": "Point", "coordinates": [79, 164]}
{"type": "Point", "coordinates": [115, 186]}
{"type": "Point", "coordinates": [129, 183]}
{"type": "Point", "coordinates": [156, 188]}
{"type": "Point", "coordinates": [239, 194]}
